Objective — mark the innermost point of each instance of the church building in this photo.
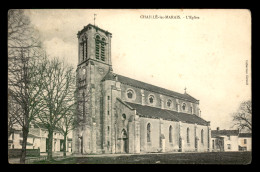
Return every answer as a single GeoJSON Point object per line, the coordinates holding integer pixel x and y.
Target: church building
{"type": "Point", "coordinates": [117, 114]}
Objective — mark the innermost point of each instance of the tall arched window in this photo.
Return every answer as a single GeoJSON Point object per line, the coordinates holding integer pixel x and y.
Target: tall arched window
{"type": "Point", "coordinates": [188, 135]}
{"type": "Point", "coordinates": [170, 134]}
{"type": "Point", "coordinates": [103, 49]}
{"type": "Point", "coordinates": [100, 48]}
{"type": "Point", "coordinates": [84, 48]}
{"type": "Point", "coordinates": [148, 132]}
{"type": "Point", "coordinates": [97, 47]}
{"type": "Point", "coordinates": [202, 136]}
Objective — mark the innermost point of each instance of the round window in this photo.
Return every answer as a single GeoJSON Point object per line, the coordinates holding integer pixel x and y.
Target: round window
{"type": "Point", "coordinates": [130, 94]}
{"type": "Point", "coordinates": [183, 106]}
{"type": "Point", "coordinates": [169, 103]}
{"type": "Point", "coordinates": [151, 99]}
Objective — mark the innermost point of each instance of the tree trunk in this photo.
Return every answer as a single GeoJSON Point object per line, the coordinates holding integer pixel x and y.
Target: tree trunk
{"type": "Point", "coordinates": [50, 137]}
{"type": "Point", "coordinates": [64, 145]}
{"type": "Point", "coordinates": [24, 143]}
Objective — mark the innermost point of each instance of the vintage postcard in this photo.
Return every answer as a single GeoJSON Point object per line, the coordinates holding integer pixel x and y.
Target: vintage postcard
{"type": "Point", "coordinates": [129, 86]}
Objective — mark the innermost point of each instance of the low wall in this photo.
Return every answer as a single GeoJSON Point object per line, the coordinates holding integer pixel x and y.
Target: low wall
{"type": "Point", "coordinates": [16, 153]}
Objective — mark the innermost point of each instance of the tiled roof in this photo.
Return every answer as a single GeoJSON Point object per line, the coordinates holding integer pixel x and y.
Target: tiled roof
{"type": "Point", "coordinates": [95, 27]}
{"type": "Point", "coordinates": [245, 135]}
{"type": "Point", "coordinates": [215, 133]}
{"type": "Point", "coordinates": [42, 126]}
{"type": "Point", "coordinates": [153, 112]}
{"type": "Point", "coordinates": [143, 85]}
{"type": "Point", "coordinates": [32, 135]}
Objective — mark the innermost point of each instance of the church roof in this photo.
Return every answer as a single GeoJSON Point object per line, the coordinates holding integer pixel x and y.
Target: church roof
{"type": "Point", "coordinates": [215, 133]}
{"type": "Point", "coordinates": [153, 112]}
{"type": "Point", "coordinates": [32, 135]}
{"type": "Point", "coordinates": [86, 27]}
{"type": "Point", "coordinates": [149, 87]}
{"type": "Point", "coordinates": [42, 126]}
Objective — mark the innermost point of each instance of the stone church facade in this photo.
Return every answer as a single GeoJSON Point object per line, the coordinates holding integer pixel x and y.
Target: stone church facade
{"type": "Point", "coordinates": [117, 114]}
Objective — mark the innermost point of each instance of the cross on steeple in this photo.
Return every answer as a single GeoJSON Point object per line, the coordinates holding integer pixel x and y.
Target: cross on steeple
{"type": "Point", "coordinates": [185, 89]}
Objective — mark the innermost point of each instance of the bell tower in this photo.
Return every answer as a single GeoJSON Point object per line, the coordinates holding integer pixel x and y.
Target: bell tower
{"type": "Point", "coordinates": [94, 61]}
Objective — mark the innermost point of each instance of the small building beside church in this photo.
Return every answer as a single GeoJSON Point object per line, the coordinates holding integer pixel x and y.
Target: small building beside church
{"type": "Point", "coordinates": [118, 114]}
{"type": "Point", "coordinates": [224, 140]}
{"type": "Point", "coordinates": [38, 139]}
{"type": "Point", "coordinates": [245, 141]}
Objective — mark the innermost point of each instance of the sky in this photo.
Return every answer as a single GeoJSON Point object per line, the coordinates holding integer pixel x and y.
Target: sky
{"type": "Point", "coordinates": [205, 51]}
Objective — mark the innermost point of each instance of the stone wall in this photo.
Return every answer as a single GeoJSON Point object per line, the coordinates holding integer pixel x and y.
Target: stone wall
{"type": "Point", "coordinates": [15, 153]}
{"type": "Point", "coordinates": [127, 121]}
{"type": "Point", "coordinates": [161, 127]}
{"type": "Point", "coordinates": [141, 97]}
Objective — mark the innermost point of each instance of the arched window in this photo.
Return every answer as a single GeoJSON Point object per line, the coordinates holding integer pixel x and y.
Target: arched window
{"type": "Point", "coordinates": [97, 46]}
{"type": "Point", "coordinates": [213, 144]}
{"type": "Point", "coordinates": [100, 48]}
{"type": "Point", "coordinates": [169, 103]}
{"type": "Point", "coordinates": [202, 135]}
{"type": "Point", "coordinates": [130, 94]}
{"type": "Point", "coordinates": [183, 106]}
{"type": "Point", "coordinates": [108, 130]}
{"type": "Point", "coordinates": [191, 110]}
{"type": "Point", "coordinates": [84, 45]}
{"type": "Point", "coordinates": [151, 99]}
{"type": "Point", "coordinates": [148, 132]}
{"type": "Point", "coordinates": [170, 134]}
{"type": "Point", "coordinates": [103, 49]}
{"type": "Point", "coordinates": [188, 135]}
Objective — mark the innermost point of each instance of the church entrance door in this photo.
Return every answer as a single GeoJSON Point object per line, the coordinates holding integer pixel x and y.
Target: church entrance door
{"type": "Point", "coordinates": [124, 145]}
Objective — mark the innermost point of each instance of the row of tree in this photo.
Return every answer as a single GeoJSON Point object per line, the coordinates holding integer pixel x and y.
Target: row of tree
{"type": "Point", "coordinates": [39, 89]}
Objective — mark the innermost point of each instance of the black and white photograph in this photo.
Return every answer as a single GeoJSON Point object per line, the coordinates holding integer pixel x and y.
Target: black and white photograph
{"type": "Point", "coordinates": [129, 86]}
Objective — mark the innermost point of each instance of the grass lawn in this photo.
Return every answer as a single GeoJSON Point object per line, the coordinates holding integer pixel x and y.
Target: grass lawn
{"type": "Point", "coordinates": [167, 158]}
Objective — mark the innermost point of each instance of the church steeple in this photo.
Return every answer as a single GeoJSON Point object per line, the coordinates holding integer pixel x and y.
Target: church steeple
{"type": "Point", "coordinates": [94, 62]}
{"type": "Point", "coordinates": [94, 43]}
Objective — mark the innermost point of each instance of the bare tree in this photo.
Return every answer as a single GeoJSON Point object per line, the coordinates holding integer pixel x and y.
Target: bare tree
{"type": "Point", "coordinates": [58, 87]}
{"type": "Point", "coordinates": [243, 117]}
{"type": "Point", "coordinates": [14, 110]}
{"type": "Point", "coordinates": [65, 125]}
{"type": "Point", "coordinates": [24, 50]}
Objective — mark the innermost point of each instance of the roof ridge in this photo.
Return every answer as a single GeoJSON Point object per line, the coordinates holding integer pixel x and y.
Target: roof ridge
{"type": "Point", "coordinates": [173, 93]}
{"type": "Point", "coordinates": [190, 96]}
{"type": "Point", "coordinates": [150, 84]}
{"type": "Point", "coordinates": [224, 130]}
